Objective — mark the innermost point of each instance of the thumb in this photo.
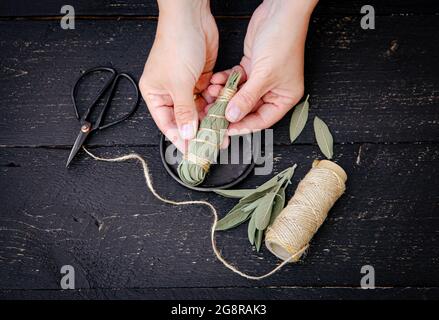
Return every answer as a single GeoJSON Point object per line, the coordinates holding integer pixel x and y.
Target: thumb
{"type": "Point", "coordinates": [245, 99]}
{"type": "Point", "coordinates": [186, 114]}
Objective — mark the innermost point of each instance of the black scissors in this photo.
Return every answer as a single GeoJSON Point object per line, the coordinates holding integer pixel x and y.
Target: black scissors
{"type": "Point", "coordinates": [109, 88]}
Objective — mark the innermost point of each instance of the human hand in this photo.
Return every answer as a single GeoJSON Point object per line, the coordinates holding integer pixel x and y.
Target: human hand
{"type": "Point", "coordinates": [180, 66]}
{"type": "Point", "coordinates": [273, 66]}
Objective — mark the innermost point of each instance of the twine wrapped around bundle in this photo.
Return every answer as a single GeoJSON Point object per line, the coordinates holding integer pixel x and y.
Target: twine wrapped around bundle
{"type": "Point", "coordinates": [203, 150]}
{"type": "Point", "coordinates": [293, 229]}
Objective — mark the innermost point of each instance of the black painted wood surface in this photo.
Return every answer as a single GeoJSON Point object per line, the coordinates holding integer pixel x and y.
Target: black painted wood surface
{"type": "Point", "coordinates": [30, 8]}
{"type": "Point", "coordinates": [377, 90]}
{"type": "Point", "coordinates": [363, 89]}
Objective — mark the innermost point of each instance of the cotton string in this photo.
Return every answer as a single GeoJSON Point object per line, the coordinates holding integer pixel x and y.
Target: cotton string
{"type": "Point", "coordinates": [151, 188]}
{"type": "Point", "coordinates": [226, 94]}
{"type": "Point", "coordinates": [293, 229]}
{"type": "Point", "coordinates": [202, 162]}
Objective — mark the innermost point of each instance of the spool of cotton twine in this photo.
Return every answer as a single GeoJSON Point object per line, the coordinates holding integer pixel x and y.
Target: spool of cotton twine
{"type": "Point", "coordinates": [290, 234]}
{"type": "Point", "coordinates": [293, 229]}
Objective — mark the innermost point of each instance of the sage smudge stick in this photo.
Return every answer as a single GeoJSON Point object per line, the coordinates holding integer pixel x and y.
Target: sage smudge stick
{"type": "Point", "coordinates": [203, 150]}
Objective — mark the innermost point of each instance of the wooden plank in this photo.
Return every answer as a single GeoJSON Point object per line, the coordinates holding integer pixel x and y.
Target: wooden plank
{"type": "Point", "coordinates": [100, 218]}
{"type": "Point", "coordinates": [28, 8]}
{"type": "Point", "coordinates": [362, 89]}
{"type": "Point", "coordinates": [232, 293]}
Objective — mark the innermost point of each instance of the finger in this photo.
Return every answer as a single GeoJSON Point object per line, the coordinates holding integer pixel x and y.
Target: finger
{"type": "Point", "coordinates": [173, 135]}
{"type": "Point", "coordinates": [259, 103]}
{"type": "Point", "coordinates": [222, 76]}
{"type": "Point", "coordinates": [162, 112]}
{"type": "Point", "coordinates": [279, 100]}
{"type": "Point", "coordinates": [185, 112]}
{"type": "Point", "coordinates": [214, 90]}
{"type": "Point", "coordinates": [264, 117]}
{"type": "Point", "coordinates": [246, 98]}
{"type": "Point", "coordinates": [207, 96]}
{"type": "Point", "coordinates": [226, 142]}
{"type": "Point", "coordinates": [163, 116]}
{"type": "Point", "coordinates": [200, 104]}
{"type": "Point", "coordinates": [203, 82]}
{"type": "Point", "coordinates": [157, 100]}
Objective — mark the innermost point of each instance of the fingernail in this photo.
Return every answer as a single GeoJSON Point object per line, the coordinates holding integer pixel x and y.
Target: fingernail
{"type": "Point", "coordinates": [187, 131]}
{"type": "Point", "coordinates": [233, 112]}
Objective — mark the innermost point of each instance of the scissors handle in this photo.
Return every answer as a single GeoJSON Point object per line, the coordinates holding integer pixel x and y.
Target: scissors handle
{"type": "Point", "coordinates": [111, 86]}
{"type": "Point", "coordinates": [110, 96]}
{"type": "Point", "coordinates": [74, 92]}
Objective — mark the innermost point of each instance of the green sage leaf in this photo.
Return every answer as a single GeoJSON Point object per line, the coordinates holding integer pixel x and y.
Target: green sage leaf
{"type": "Point", "coordinates": [263, 211]}
{"type": "Point", "coordinates": [251, 231]}
{"type": "Point", "coordinates": [269, 185]}
{"type": "Point", "coordinates": [233, 219]}
{"type": "Point", "coordinates": [258, 239]}
{"type": "Point", "coordinates": [323, 137]}
{"type": "Point", "coordinates": [239, 193]}
{"type": "Point", "coordinates": [298, 119]}
{"type": "Point", "coordinates": [258, 194]}
{"type": "Point", "coordinates": [252, 205]}
{"type": "Point", "coordinates": [288, 174]}
{"type": "Point", "coordinates": [279, 204]}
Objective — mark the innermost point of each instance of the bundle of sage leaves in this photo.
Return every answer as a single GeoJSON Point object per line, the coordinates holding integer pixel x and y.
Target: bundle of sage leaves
{"type": "Point", "coordinates": [259, 206]}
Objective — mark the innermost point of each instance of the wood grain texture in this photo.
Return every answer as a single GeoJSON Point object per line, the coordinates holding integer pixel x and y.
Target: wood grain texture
{"type": "Point", "coordinates": [364, 90]}
{"type": "Point", "coordinates": [100, 218]}
{"type": "Point", "coordinates": [29, 8]}
{"type": "Point", "coordinates": [377, 90]}
{"type": "Point", "coordinates": [250, 293]}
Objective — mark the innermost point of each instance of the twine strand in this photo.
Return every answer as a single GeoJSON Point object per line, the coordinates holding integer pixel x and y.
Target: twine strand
{"type": "Point", "coordinates": [218, 116]}
{"type": "Point", "coordinates": [202, 162]}
{"type": "Point", "coordinates": [226, 94]}
{"type": "Point", "coordinates": [149, 184]}
{"type": "Point", "coordinates": [205, 141]}
{"type": "Point", "coordinates": [209, 130]}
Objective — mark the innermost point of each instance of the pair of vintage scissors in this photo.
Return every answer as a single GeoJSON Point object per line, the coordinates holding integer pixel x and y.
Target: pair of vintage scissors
{"type": "Point", "coordinates": [109, 88]}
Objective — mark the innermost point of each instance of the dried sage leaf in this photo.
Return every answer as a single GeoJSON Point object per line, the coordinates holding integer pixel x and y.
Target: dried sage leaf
{"type": "Point", "coordinates": [263, 211]}
{"type": "Point", "coordinates": [239, 193]}
{"type": "Point", "coordinates": [298, 119]}
{"type": "Point", "coordinates": [258, 239]}
{"type": "Point", "coordinates": [323, 137]}
{"type": "Point", "coordinates": [233, 219]}
{"type": "Point", "coordinates": [251, 230]}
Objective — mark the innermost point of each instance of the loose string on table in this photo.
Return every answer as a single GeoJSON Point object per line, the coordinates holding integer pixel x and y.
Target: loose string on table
{"type": "Point", "coordinates": [149, 184]}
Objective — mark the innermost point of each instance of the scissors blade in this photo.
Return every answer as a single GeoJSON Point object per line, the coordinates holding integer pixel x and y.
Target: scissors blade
{"type": "Point", "coordinates": [77, 145]}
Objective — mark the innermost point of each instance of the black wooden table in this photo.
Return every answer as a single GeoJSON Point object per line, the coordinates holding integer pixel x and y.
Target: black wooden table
{"type": "Point", "coordinates": [378, 90]}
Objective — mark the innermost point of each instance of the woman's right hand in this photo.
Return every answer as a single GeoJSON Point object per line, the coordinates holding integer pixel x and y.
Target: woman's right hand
{"type": "Point", "coordinates": [272, 65]}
